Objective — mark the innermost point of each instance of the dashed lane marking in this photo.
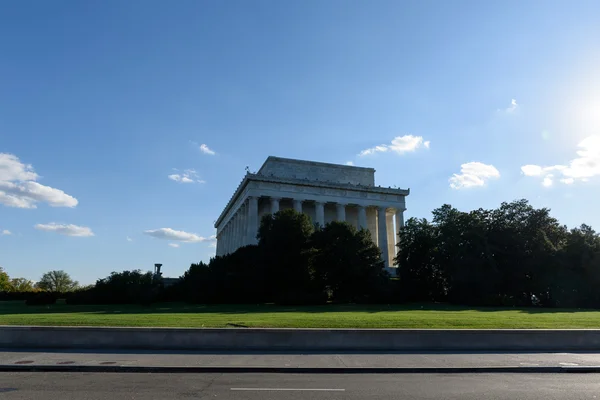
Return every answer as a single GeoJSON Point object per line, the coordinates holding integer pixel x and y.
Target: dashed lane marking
{"type": "Point", "coordinates": [287, 390]}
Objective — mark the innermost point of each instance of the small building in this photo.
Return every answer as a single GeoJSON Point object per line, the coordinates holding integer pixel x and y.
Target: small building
{"type": "Point", "coordinates": [325, 192]}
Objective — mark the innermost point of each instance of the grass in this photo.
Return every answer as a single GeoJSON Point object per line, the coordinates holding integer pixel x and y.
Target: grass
{"type": "Point", "coordinates": [328, 316]}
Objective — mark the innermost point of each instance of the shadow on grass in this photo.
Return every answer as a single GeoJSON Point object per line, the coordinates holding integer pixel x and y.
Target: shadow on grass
{"type": "Point", "coordinates": [13, 308]}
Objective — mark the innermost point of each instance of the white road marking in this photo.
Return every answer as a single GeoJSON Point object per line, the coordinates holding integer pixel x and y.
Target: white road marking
{"type": "Point", "coordinates": [287, 390]}
{"type": "Point", "coordinates": [569, 364]}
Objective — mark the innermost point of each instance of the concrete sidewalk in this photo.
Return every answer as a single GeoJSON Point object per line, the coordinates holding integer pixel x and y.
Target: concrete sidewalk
{"type": "Point", "coordinates": [146, 361]}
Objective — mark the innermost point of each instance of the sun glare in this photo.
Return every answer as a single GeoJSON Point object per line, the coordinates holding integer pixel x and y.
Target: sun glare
{"type": "Point", "coordinates": [587, 117]}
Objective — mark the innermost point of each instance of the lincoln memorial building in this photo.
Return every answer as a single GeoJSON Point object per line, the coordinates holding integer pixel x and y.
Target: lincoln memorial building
{"type": "Point", "coordinates": [325, 192]}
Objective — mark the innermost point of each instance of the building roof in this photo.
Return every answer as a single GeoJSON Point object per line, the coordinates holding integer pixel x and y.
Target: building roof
{"type": "Point", "coordinates": [313, 163]}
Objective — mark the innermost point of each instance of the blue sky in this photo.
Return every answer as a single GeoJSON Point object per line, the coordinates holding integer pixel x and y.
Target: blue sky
{"type": "Point", "coordinates": [104, 107]}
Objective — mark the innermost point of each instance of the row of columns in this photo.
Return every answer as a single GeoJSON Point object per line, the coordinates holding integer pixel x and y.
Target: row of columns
{"type": "Point", "coordinates": [242, 227]}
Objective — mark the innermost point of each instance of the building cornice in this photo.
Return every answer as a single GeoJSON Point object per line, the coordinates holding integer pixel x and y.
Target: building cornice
{"type": "Point", "coordinates": [306, 182]}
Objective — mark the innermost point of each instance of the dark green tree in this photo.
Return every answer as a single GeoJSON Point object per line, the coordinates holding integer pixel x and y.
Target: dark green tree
{"type": "Point", "coordinates": [513, 255]}
{"type": "Point", "coordinates": [526, 242]}
{"type": "Point", "coordinates": [233, 278]}
{"type": "Point", "coordinates": [576, 278]}
{"type": "Point", "coordinates": [197, 284]}
{"type": "Point", "coordinates": [284, 243]}
{"type": "Point", "coordinates": [347, 263]}
{"type": "Point", "coordinates": [465, 257]}
{"type": "Point", "coordinates": [420, 273]}
{"type": "Point", "coordinates": [127, 287]}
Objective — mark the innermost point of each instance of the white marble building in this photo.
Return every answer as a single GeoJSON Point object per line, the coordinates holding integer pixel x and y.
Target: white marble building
{"type": "Point", "coordinates": [326, 192]}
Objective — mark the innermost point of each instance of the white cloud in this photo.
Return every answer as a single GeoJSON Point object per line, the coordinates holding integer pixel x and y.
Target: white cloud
{"type": "Point", "coordinates": [584, 166]}
{"type": "Point", "coordinates": [473, 174]}
{"type": "Point", "coordinates": [349, 163]}
{"type": "Point", "coordinates": [6, 232]}
{"type": "Point", "coordinates": [213, 244]}
{"type": "Point", "coordinates": [64, 229]}
{"type": "Point", "coordinates": [12, 169]}
{"type": "Point", "coordinates": [179, 236]}
{"type": "Point", "coordinates": [548, 181]}
{"type": "Point", "coordinates": [129, 239]}
{"type": "Point", "coordinates": [399, 145]}
{"type": "Point", "coordinates": [173, 245]}
{"type": "Point", "coordinates": [532, 170]}
{"type": "Point", "coordinates": [18, 186]}
{"type": "Point", "coordinates": [206, 150]}
{"type": "Point", "coordinates": [373, 150]}
{"type": "Point", "coordinates": [187, 176]}
{"type": "Point", "coordinates": [513, 106]}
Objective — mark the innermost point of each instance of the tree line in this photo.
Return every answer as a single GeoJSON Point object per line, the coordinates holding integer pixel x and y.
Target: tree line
{"type": "Point", "coordinates": [514, 255]}
{"type": "Point", "coordinates": [52, 284]}
{"type": "Point", "coordinates": [51, 281]}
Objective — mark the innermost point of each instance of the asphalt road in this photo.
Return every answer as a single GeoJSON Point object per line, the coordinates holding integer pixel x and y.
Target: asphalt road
{"type": "Point", "coordinates": [114, 386]}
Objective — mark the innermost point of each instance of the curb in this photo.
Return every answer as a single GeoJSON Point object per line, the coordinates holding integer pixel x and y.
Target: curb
{"type": "Point", "coordinates": [301, 370]}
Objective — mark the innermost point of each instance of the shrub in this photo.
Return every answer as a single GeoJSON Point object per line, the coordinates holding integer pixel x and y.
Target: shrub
{"type": "Point", "coordinates": [42, 299]}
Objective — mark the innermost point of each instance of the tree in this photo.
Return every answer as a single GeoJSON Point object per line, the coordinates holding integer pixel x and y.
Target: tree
{"type": "Point", "coordinates": [465, 257]}
{"type": "Point", "coordinates": [347, 263]}
{"type": "Point", "coordinates": [514, 255]}
{"type": "Point", "coordinates": [419, 270]}
{"type": "Point", "coordinates": [21, 285]}
{"type": "Point", "coordinates": [284, 244]}
{"type": "Point", "coordinates": [4, 281]}
{"type": "Point", "coordinates": [576, 272]}
{"type": "Point", "coordinates": [232, 278]}
{"type": "Point", "coordinates": [57, 281]}
{"type": "Point", "coordinates": [125, 287]}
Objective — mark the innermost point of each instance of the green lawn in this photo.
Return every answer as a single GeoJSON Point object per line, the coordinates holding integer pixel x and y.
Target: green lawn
{"type": "Point", "coordinates": [329, 316]}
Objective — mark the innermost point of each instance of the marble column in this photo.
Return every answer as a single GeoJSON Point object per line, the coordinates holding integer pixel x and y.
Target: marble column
{"type": "Point", "coordinates": [233, 226]}
{"type": "Point", "coordinates": [391, 236]}
{"type": "Point", "coordinates": [382, 234]}
{"type": "Point", "coordinates": [219, 243]}
{"type": "Point", "coordinates": [320, 213]}
{"type": "Point", "coordinates": [244, 228]}
{"type": "Point", "coordinates": [224, 239]}
{"type": "Point", "coordinates": [238, 230]}
{"type": "Point", "coordinates": [230, 236]}
{"type": "Point", "coordinates": [223, 243]}
{"type": "Point", "coordinates": [241, 230]}
{"type": "Point", "coordinates": [275, 204]}
{"type": "Point", "coordinates": [372, 223]}
{"type": "Point", "coordinates": [362, 217]}
{"type": "Point", "coordinates": [399, 225]}
{"type": "Point", "coordinates": [227, 237]}
{"type": "Point", "coordinates": [252, 220]}
{"type": "Point", "coordinates": [298, 205]}
{"type": "Point", "coordinates": [341, 212]}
